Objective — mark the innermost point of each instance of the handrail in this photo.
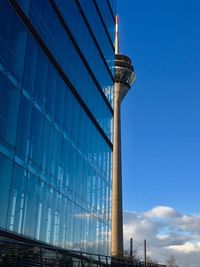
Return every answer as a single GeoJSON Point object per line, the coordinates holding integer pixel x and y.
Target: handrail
{"type": "Point", "coordinates": [20, 251]}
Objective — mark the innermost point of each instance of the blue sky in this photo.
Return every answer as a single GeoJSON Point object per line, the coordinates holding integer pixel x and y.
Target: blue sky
{"type": "Point", "coordinates": [161, 113]}
{"type": "Point", "coordinates": [161, 128]}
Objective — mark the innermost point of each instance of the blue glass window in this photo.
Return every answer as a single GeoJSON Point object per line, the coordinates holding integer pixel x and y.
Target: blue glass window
{"type": "Point", "coordinates": [47, 24]}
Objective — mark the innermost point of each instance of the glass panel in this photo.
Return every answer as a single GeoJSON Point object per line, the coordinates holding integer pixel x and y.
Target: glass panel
{"type": "Point", "coordinates": [5, 180]}
{"type": "Point", "coordinates": [9, 106]}
{"type": "Point", "coordinates": [17, 200]}
{"type": "Point", "coordinates": [32, 206]}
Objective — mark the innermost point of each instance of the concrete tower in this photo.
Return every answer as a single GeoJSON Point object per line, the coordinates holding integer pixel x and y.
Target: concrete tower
{"type": "Point", "coordinates": [124, 78]}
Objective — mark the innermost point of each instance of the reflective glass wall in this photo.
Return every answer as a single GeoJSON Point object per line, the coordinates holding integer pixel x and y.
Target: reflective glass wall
{"type": "Point", "coordinates": [56, 92]}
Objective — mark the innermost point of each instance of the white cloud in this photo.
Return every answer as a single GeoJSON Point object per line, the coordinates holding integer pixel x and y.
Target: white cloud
{"type": "Point", "coordinates": [187, 248]}
{"type": "Point", "coordinates": [167, 232]}
{"type": "Point", "coordinates": [162, 212]}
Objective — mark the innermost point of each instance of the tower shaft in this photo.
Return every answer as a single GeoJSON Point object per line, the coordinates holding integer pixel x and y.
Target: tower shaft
{"type": "Point", "coordinates": [117, 214]}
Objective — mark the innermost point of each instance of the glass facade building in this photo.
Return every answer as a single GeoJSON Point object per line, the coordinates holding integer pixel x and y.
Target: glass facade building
{"type": "Point", "coordinates": [56, 115]}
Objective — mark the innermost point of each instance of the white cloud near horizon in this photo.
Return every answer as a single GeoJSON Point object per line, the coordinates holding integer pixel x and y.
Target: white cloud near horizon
{"type": "Point", "coordinates": [167, 231]}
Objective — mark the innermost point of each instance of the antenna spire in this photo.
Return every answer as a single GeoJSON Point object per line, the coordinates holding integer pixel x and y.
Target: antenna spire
{"type": "Point", "coordinates": [116, 35]}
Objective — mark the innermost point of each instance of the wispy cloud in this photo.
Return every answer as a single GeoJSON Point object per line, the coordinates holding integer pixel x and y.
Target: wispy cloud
{"type": "Point", "coordinates": [168, 232]}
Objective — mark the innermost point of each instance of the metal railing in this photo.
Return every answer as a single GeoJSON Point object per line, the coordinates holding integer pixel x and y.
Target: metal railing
{"type": "Point", "coordinates": [15, 253]}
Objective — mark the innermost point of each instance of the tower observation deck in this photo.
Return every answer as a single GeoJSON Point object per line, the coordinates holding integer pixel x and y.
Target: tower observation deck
{"type": "Point", "coordinates": [124, 78]}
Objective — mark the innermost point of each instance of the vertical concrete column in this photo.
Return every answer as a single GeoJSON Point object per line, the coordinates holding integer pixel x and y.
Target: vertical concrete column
{"type": "Point", "coordinates": [117, 211]}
